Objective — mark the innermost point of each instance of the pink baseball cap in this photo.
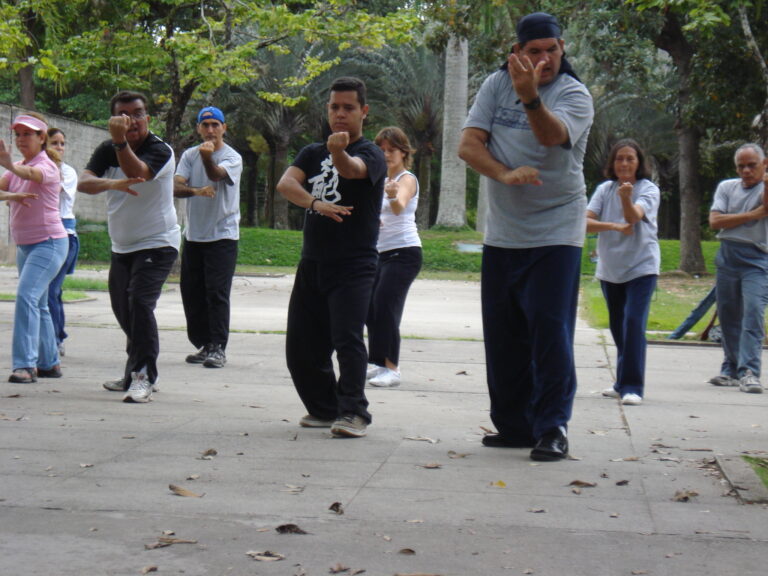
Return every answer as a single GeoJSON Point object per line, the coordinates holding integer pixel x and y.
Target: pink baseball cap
{"type": "Point", "coordinates": [29, 122]}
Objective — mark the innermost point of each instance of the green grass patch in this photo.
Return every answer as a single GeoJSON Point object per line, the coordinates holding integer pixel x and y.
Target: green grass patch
{"type": "Point", "coordinates": [672, 301]}
{"type": "Point", "coordinates": [67, 296]}
{"type": "Point", "coordinates": [72, 283]}
{"type": "Point", "coordinates": [760, 466]}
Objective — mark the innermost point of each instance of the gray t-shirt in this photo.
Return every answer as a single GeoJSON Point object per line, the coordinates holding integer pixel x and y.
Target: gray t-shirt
{"type": "Point", "coordinates": [217, 218]}
{"type": "Point", "coordinates": [624, 258]}
{"type": "Point", "coordinates": [529, 216]}
{"type": "Point", "coordinates": [732, 198]}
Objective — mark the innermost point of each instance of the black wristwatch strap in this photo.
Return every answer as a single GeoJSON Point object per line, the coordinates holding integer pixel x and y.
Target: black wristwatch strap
{"type": "Point", "coordinates": [534, 104]}
{"type": "Point", "coordinates": [119, 145]}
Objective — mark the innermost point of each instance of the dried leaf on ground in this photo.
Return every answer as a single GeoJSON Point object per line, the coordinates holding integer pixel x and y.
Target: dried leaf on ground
{"type": "Point", "coordinates": [417, 574]}
{"type": "Point", "coordinates": [407, 551]}
{"type": "Point", "coordinates": [180, 491]}
{"type": "Point", "coordinates": [454, 455]}
{"type": "Point", "coordinates": [583, 484]}
{"type": "Point", "coordinates": [13, 396]}
{"type": "Point", "coordinates": [669, 459]}
{"type": "Point", "coordinates": [293, 489]}
{"type": "Point", "coordinates": [415, 521]}
{"type": "Point", "coordinates": [462, 373]}
{"type": "Point", "coordinates": [148, 569]}
{"type": "Point", "coordinates": [86, 465]}
{"type": "Point", "coordinates": [193, 476]}
{"type": "Point", "coordinates": [487, 430]}
{"type": "Point", "coordinates": [289, 529]}
{"type": "Point", "coordinates": [626, 459]}
{"type": "Point", "coordinates": [537, 510]}
{"type": "Point", "coordinates": [266, 556]}
{"type": "Point", "coordinates": [431, 465]}
{"type": "Point", "coordinates": [613, 515]}
{"type": "Point", "coordinates": [336, 507]}
{"type": "Point", "coordinates": [422, 439]}
{"type": "Point", "coordinates": [622, 483]}
{"type": "Point", "coordinates": [499, 484]}
{"type": "Point", "coordinates": [338, 568]}
{"type": "Point", "coordinates": [169, 533]}
{"type": "Point", "coordinates": [209, 454]}
{"type": "Point", "coordinates": [684, 495]}
{"type": "Point", "coordinates": [576, 490]}
{"type": "Point", "coordinates": [598, 432]}
{"type": "Point", "coordinates": [164, 542]}
{"type": "Point", "coordinates": [637, 572]}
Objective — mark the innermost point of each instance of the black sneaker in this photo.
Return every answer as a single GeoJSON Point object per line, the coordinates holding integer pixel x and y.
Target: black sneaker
{"type": "Point", "coordinates": [199, 356]}
{"type": "Point", "coordinates": [216, 357]}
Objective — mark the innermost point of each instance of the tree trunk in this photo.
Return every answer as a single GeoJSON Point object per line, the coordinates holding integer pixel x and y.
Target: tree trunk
{"type": "Point", "coordinates": [672, 40]}
{"type": "Point", "coordinates": [760, 123]}
{"type": "Point", "coordinates": [425, 185]}
{"type": "Point", "coordinates": [452, 208]}
{"type": "Point", "coordinates": [279, 204]}
{"type": "Point", "coordinates": [251, 160]}
{"type": "Point", "coordinates": [27, 88]}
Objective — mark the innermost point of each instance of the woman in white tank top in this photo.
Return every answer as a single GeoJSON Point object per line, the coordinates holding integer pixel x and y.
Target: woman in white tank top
{"type": "Point", "coordinates": [399, 259]}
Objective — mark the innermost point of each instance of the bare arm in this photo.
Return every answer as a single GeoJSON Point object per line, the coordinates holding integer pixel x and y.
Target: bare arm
{"type": "Point", "coordinates": [291, 186]}
{"type": "Point", "coordinates": [89, 183]}
{"type": "Point", "coordinates": [633, 213]}
{"type": "Point", "coordinates": [130, 164]}
{"type": "Point", "coordinates": [594, 224]}
{"type": "Point", "coordinates": [721, 221]}
{"type": "Point", "coordinates": [20, 170]}
{"type": "Point", "coordinates": [349, 167]}
{"type": "Point", "coordinates": [182, 190]}
{"type": "Point", "coordinates": [548, 128]}
{"type": "Point", "coordinates": [400, 192]}
{"type": "Point", "coordinates": [212, 170]}
{"type": "Point", "coordinates": [474, 151]}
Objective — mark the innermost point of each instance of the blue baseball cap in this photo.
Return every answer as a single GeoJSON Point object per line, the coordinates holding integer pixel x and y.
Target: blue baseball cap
{"type": "Point", "coordinates": [210, 113]}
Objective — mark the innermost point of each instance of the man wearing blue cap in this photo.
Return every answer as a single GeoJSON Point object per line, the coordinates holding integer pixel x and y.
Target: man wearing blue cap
{"type": "Point", "coordinates": [208, 176]}
{"type": "Point", "coordinates": [527, 133]}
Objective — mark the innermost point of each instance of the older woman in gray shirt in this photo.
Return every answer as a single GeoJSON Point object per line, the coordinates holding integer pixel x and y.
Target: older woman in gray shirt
{"type": "Point", "coordinates": [623, 212]}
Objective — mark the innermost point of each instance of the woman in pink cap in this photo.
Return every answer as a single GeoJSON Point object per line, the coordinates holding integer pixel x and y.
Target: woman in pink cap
{"type": "Point", "coordinates": [41, 246]}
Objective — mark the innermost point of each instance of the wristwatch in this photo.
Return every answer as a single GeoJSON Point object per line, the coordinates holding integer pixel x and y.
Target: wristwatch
{"type": "Point", "coordinates": [119, 145]}
{"type": "Point", "coordinates": [534, 104]}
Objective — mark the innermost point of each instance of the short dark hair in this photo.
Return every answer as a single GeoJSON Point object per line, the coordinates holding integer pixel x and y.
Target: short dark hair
{"type": "Point", "coordinates": [125, 96]}
{"type": "Point", "coordinates": [350, 84]}
{"type": "Point", "coordinates": [642, 164]}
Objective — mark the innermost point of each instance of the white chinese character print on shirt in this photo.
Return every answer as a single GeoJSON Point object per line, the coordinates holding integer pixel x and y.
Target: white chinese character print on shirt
{"type": "Point", "coordinates": [325, 183]}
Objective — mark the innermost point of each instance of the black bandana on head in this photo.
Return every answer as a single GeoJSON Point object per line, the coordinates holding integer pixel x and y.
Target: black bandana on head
{"type": "Point", "coordinates": [542, 25]}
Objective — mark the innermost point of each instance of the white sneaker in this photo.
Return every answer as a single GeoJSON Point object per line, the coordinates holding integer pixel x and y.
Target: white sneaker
{"type": "Point", "coordinates": [610, 393]}
{"type": "Point", "coordinates": [386, 379]}
{"type": "Point", "coordinates": [750, 384]}
{"type": "Point", "coordinates": [373, 371]}
{"type": "Point", "coordinates": [631, 399]}
{"type": "Point", "coordinates": [140, 390]}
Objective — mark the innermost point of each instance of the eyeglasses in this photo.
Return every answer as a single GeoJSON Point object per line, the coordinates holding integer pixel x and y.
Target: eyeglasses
{"type": "Point", "coordinates": [136, 115]}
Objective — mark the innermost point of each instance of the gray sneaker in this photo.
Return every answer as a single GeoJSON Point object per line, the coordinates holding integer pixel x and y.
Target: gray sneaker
{"type": "Point", "coordinates": [310, 421]}
{"type": "Point", "coordinates": [216, 357]}
{"type": "Point", "coordinates": [140, 390]}
{"type": "Point", "coordinates": [115, 385]}
{"type": "Point", "coordinates": [349, 426]}
{"type": "Point", "coordinates": [723, 380]}
{"type": "Point", "coordinates": [750, 384]}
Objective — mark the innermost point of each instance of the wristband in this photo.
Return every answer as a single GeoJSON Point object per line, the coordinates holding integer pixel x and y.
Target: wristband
{"type": "Point", "coordinates": [312, 205]}
{"type": "Point", "coordinates": [533, 104]}
{"type": "Point", "coordinates": [119, 145]}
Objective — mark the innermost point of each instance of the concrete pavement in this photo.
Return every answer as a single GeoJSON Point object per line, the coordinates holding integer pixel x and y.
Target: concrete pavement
{"type": "Point", "coordinates": [84, 478]}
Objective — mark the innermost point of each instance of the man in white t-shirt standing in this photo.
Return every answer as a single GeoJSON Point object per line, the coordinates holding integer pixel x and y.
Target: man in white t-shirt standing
{"type": "Point", "coordinates": [135, 168]}
{"type": "Point", "coordinates": [739, 213]}
{"type": "Point", "coordinates": [208, 176]}
{"type": "Point", "coordinates": [527, 134]}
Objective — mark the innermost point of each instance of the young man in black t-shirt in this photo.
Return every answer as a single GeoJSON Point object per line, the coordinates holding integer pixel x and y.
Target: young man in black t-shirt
{"type": "Point", "coordinates": [340, 182]}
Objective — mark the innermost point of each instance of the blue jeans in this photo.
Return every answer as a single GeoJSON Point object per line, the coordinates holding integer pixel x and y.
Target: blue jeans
{"type": "Point", "coordinates": [742, 294]}
{"type": "Point", "coordinates": [56, 289]}
{"type": "Point", "coordinates": [529, 298]}
{"type": "Point", "coordinates": [34, 342]}
{"type": "Point", "coordinates": [628, 307]}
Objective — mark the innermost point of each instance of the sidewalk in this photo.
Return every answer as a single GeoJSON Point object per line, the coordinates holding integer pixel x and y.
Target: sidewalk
{"type": "Point", "coordinates": [84, 478]}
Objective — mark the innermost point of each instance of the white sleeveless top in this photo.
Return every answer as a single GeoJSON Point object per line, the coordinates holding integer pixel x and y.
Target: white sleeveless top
{"type": "Point", "coordinates": [399, 230]}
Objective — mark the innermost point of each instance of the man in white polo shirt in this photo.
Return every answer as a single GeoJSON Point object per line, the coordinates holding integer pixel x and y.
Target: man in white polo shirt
{"type": "Point", "coordinates": [208, 176]}
{"type": "Point", "coordinates": [135, 168]}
